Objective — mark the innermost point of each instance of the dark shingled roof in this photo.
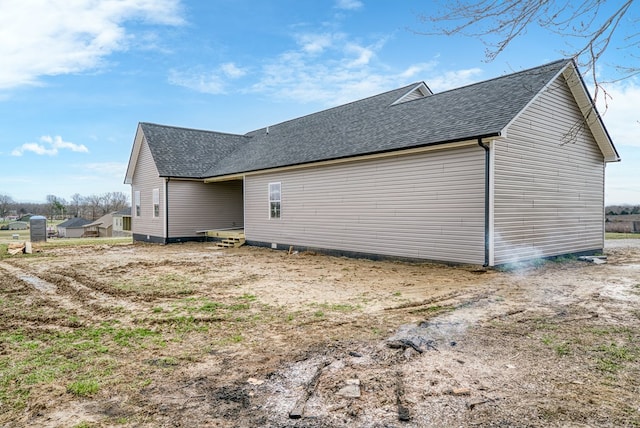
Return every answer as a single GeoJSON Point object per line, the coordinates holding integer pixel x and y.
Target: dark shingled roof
{"type": "Point", "coordinates": [123, 212]}
{"type": "Point", "coordinates": [74, 222]}
{"type": "Point", "coordinates": [372, 125]}
{"type": "Point", "coordinates": [188, 153]}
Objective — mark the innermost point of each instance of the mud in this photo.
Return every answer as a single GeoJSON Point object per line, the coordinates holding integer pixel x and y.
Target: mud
{"type": "Point", "coordinates": [241, 337]}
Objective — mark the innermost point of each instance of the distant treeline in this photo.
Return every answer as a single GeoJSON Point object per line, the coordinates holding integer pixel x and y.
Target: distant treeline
{"type": "Point", "coordinates": [90, 207]}
{"type": "Point", "coordinates": [622, 209]}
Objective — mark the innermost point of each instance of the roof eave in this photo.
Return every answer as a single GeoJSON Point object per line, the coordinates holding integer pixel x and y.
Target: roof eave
{"type": "Point", "coordinates": [590, 113]}
{"type": "Point", "coordinates": [133, 158]}
{"type": "Point", "coordinates": [236, 175]}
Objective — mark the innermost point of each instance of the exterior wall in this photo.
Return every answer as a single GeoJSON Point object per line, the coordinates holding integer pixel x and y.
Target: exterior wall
{"type": "Point", "coordinates": [425, 206]}
{"type": "Point", "coordinates": [119, 224]}
{"type": "Point", "coordinates": [18, 225]}
{"type": "Point", "coordinates": [548, 182]}
{"type": "Point", "coordinates": [71, 232]}
{"type": "Point", "coordinates": [145, 179]}
{"type": "Point", "coordinates": [194, 205]}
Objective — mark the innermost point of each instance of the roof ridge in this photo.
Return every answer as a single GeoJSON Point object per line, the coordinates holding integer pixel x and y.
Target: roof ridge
{"type": "Point", "coordinates": [411, 85]}
{"type": "Point", "coordinates": [504, 76]}
{"type": "Point", "coordinates": [194, 129]}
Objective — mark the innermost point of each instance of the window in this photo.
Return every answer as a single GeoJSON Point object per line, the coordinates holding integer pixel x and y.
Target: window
{"type": "Point", "coordinates": [137, 198]}
{"type": "Point", "coordinates": [274, 200]}
{"type": "Point", "coordinates": [156, 202]}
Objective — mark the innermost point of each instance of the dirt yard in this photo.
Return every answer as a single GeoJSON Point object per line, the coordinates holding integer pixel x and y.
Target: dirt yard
{"type": "Point", "coordinates": [188, 335]}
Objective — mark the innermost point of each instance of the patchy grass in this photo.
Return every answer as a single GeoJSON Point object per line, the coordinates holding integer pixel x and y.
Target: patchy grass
{"type": "Point", "coordinates": [83, 356]}
{"type": "Point", "coordinates": [335, 307]}
{"type": "Point", "coordinates": [611, 357]}
{"type": "Point", "coordinates": [168, 284]}
{"type": "Point", "coordinates": [612, 235]}
{"type": "Point", "coordinates": [84, 388]}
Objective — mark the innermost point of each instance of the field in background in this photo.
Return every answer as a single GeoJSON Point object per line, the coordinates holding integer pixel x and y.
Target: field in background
{"type": "Point", "coordinates": [6, 237]}
{"type": "Point", "coordinates": [611, 235]}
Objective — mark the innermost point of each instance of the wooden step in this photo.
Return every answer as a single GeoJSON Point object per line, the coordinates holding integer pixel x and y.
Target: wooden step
{"type": "Point", "coordinates": [231, 243]}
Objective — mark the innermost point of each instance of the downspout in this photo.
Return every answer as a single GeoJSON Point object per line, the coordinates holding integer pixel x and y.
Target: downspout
{"type": "Point", "coordinates": [166, 210]}
{"type": "Point", "coordinates": [487, 165]}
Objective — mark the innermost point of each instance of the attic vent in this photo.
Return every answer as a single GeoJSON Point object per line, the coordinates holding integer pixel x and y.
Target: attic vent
{"type": "Point", "coordinates": [419, 91]}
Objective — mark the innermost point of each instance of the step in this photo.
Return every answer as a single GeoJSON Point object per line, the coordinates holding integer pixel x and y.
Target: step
{"type": "Point", "coordinates": [230, 243]}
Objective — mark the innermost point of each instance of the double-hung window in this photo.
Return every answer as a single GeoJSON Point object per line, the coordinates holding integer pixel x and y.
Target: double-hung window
{"type": "Point", "coordinates": [156, 202]}
{"type": "Point", "coordinates": [274, 200]}
{"type": "Point", "coordinates": [137, 202]}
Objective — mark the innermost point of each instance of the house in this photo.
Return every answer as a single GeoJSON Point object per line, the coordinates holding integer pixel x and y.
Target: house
{"type": "Point", "coordinates": [18, 225]}
{"type": "Point", "coordinates": [102, 227]}
{"type": "Point", "coordinates": [122, 222]}
{"type": "Point", "coordinates": [623, 223]}
{"type": "Point", "coordinates": [499, 171]}
{"type": "Point", "coordinates": [72, 228]}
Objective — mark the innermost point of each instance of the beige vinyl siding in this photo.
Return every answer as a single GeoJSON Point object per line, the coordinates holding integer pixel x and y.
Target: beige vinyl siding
{"type": "Point", "coordinates": [428, 206]}
{"type": "Point", "coordinates": [194, 205]}
{"type": "Point", "coordinates": [549, 180]}
{"type": "Point", "coordinates": [145, 179]}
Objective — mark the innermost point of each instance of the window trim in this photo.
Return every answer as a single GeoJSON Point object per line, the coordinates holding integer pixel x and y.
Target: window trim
{"type": "Point", "coordinates": [275, 214]}
{"type": "Point", "coordinates": [137, 206]}
{"type": "Point", "coordinates": [156, 203]}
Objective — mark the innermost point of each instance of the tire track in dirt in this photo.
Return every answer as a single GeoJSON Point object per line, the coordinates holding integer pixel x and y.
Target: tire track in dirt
{"type": "Point", "coordinates": [70, 294]}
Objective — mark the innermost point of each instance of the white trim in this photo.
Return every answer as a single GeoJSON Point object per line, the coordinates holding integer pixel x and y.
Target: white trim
{"type": "Point", "coordinates": [421, 87]}
{"type": "Point", "coordinates": [385, 155]}
{"type": "Point", "coordinates": [591, 115]}
{"type": "Point", "coordinates": [165, 208]}
{"type": "Point", "coordinates": [585, 104]}
{"type": "Point", "coordinates": [533, 99]}
{"type": "Point", "coordinates": [155, 202]}
{"type": "Point", "coordinates": [279, 200]}
{"type": "Point", "coordinates": [137, 203]}
{"type": "Point", "coordinates": [135, 153]}
{"type": "Point", "coordinates": [492, 162]}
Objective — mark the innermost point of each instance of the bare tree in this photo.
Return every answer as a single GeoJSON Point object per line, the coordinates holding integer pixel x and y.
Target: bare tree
{"type": "Point", "coordinates": [5, 203]}
{"type": "Point", "coordinates": [94, 205]}
{"type": "Point", "coordinates": [76, 204]}
{"type": "Point", "coordinates": [114, 201]}
{"type": "Point", "coordinates": [591, 24]}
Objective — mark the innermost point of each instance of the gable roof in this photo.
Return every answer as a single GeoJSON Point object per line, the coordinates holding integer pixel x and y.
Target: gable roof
{"type": "Point", "coordinates": [74, 222]}
{"type": "Point", "coordinates": [406, 118]}
{"type": "Point", "coordinates": [105, 221]}
{"type": "Point", "coordinates": [182, 152]}
{"type": "Point", "coordinates": [122, 213]}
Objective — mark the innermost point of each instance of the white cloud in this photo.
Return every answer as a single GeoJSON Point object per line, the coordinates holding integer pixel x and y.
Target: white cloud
{"type": "Point", "coordinates": [331, 69]}
{"type": "Point", "coordinates": [316, 43]}
{"type": "Point", "coordinates": [454, 79]}
{"type": "Point", "coordinates": [231, 70]}
{"type": "Point", "coordinates": [363, 54]}
{"type": "Point", "coordinates": [348, 4]}
{"type": "Point", "coordinates": [622, 116]}
{"type": "Point", "coordinates": [41, 38]}
{"type": "Point", "coordinates": [209, 82]}
{"type": "Point", "coordinates": [49, 146]}
{"type": "Point", "coordinates": [205, 82]}
{"type": "Point", "coordinates": [113, 169]}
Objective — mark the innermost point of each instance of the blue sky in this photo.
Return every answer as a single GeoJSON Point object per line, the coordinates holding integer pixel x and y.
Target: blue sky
{"type": "Point", "coordinates": [77, 77]}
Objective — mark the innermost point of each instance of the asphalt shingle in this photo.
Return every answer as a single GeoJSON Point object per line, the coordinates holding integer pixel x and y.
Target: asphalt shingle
{"type": "Point", "coordinates": [371, 125]}
{"type": "Point", "coordinates": [188, 153]}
